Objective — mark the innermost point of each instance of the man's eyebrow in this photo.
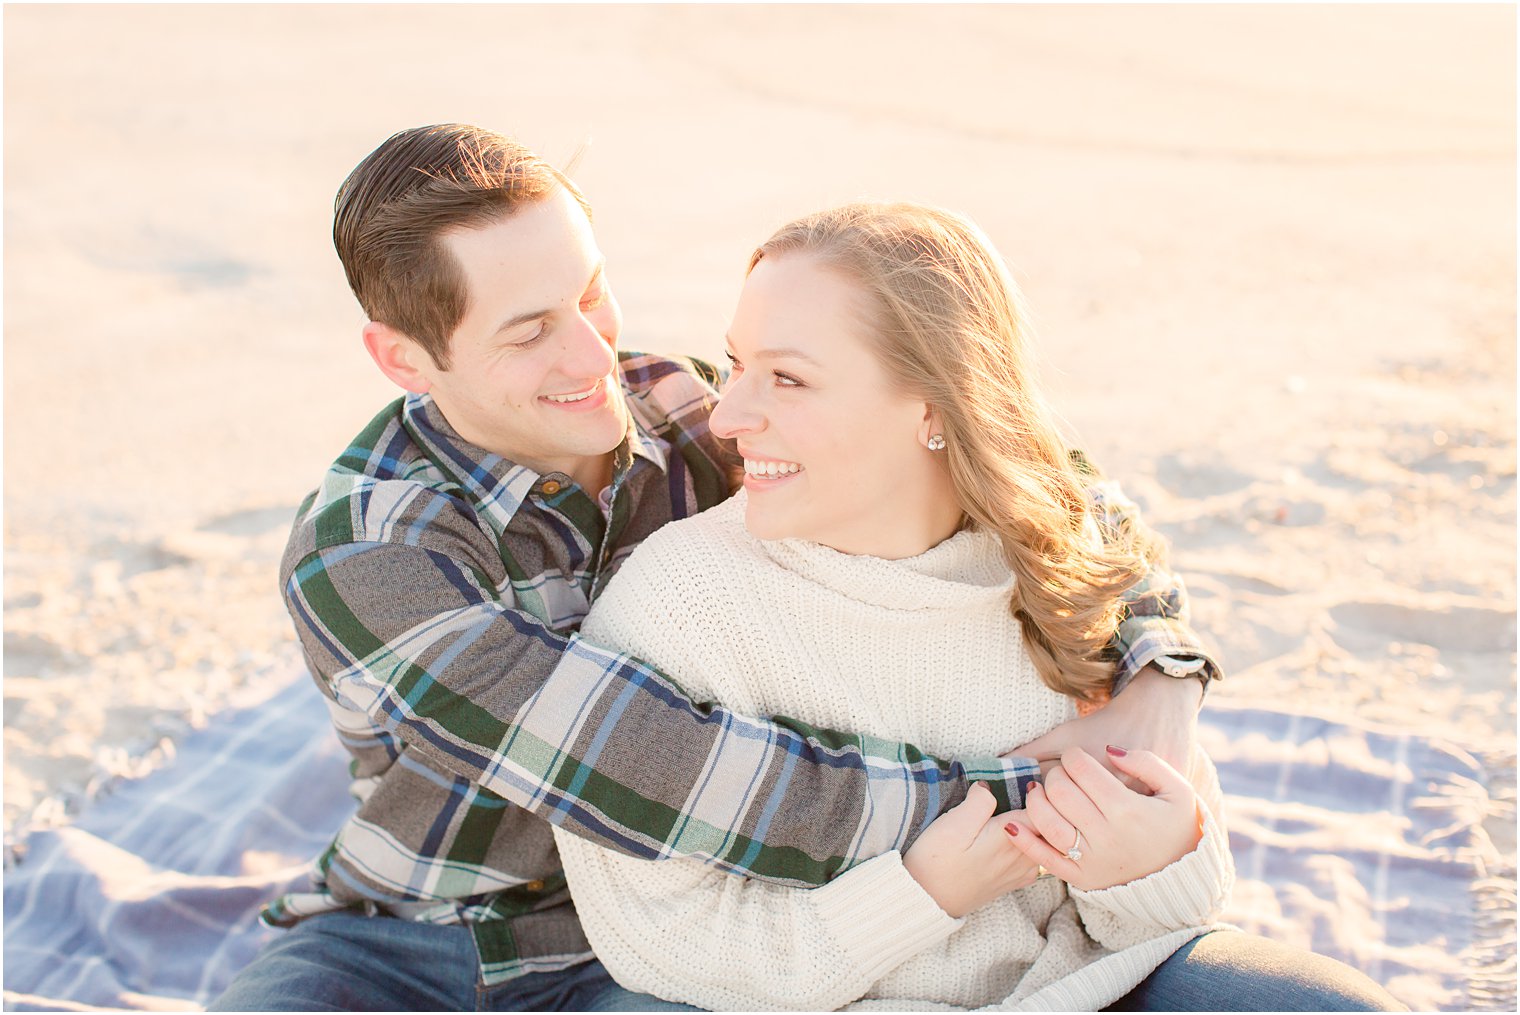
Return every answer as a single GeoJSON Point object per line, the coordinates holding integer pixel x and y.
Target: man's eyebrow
{"type": "Point", "coordinates": [533, 315]}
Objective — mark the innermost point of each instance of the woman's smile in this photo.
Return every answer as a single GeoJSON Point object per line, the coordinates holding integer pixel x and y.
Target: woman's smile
{"type": "Point", "coordinates": [768, 473]}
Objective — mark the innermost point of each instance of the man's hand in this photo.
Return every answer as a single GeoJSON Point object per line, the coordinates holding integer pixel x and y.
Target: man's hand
{"type": "Point", "coordinates": [964, 859]}
{"type": "Point", "coordinates": [1154, 712]}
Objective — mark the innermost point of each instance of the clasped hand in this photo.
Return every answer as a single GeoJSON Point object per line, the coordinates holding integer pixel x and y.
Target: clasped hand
{"type": "Point", "coordinates": [970, 856]}
{"type": "Point", "coordinates": [1092, 831]}
{"type": "Point", "coordinates": [964, 859]}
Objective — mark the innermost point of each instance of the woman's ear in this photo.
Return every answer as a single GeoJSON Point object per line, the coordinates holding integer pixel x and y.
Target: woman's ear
{"type": "Point", "coordinates": [930, 427]}
{"type": "Point", "coordinates": [399, 357]}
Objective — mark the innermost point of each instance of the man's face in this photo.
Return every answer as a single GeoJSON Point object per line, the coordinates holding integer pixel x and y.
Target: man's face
{"type": "Point", "coordinates": [532, 368]}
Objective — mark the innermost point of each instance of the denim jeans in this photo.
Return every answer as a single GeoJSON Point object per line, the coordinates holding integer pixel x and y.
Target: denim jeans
{"type": "Point", "coordinates": [338, 962]}
{"type": "Point", "coordinates": [1230, 971]}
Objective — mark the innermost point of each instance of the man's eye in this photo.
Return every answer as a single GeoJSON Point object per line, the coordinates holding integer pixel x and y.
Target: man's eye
{"type": "Point", "coordinates": [543, 329]}
{"type": "Point", "coordinates": [594, 300]}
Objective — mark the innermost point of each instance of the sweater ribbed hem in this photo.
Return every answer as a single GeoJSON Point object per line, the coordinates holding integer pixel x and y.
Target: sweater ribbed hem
{"type": "Point", "coordinates": [1189, 892]}
{"type": "Point", "coordinates": [1099, 984]}
{"type": "Point", "coordinates": [880, 916]}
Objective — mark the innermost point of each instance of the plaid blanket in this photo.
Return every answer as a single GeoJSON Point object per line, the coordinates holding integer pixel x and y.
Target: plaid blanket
{"type": "Point", "coordinates": [1363, 844]}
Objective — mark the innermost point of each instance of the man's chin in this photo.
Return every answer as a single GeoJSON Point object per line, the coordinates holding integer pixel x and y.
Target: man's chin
{"type": "Point", "coordinates": [621, 419]}
{"type": "Point", "coordinates": [606, 435]}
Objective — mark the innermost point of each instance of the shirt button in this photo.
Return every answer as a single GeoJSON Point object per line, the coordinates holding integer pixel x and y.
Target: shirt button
{"type": "Point", "coordinates": [551, 487]}
{"type": "Point", "coordinates": [534, 886]}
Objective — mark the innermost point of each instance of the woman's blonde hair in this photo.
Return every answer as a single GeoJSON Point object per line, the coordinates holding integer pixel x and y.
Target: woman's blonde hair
{"type": "Point", "coordinates": [950, 329]}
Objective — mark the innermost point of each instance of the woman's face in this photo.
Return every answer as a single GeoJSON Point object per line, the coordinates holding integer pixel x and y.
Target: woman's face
{"type": "Point", "coordinates": [832, 453]}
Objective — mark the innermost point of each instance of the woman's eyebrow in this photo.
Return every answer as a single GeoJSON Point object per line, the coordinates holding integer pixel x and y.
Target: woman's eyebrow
{"type": "Point", "coordinates": [778, 353]}
{"type": "Point", "coordinates": [786, 353]}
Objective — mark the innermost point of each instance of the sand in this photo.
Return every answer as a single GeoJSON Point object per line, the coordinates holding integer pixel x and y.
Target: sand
{"type": "Point", "coordinates": [1270, 253]}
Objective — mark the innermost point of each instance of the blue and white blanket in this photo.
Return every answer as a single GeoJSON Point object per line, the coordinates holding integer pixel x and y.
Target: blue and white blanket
{"type": "Point", "coordinates": [1362, 844]}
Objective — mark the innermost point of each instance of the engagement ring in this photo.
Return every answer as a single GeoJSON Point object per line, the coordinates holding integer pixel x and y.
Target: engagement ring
{"type": "Point", "coordinates": [1075, 852]}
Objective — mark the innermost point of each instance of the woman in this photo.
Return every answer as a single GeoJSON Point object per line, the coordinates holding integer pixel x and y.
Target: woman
{"type": "Point", "coordinates": [910, 557]}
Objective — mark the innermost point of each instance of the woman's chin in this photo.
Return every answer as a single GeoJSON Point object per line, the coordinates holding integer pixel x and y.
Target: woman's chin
{"type": "Point", "coordinates": [765, 525]}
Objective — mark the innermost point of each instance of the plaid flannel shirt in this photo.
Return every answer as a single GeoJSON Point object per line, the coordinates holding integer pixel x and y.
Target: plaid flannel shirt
{"type": "Point", "coordinates": [435, 588]}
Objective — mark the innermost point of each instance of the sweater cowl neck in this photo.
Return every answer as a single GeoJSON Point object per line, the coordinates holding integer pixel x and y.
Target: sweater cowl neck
{"type": "Point", "coordinates": [966, 571]}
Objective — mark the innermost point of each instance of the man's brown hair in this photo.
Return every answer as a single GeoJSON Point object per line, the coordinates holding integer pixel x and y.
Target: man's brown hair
{"type": "Point", "coordinates": [391, 213]}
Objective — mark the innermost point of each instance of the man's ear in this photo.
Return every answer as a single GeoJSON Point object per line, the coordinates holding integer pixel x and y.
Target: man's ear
{"type": "Point", "coordinates": [406, 363]}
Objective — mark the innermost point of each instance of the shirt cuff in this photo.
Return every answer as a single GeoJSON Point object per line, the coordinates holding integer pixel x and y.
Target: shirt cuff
{"type": "Point", "coordinates": [880, 916]}
{"type": "Point", "coordinates": [1150, 638]}
{"type": "Point", "coordinates": [1005, 777]}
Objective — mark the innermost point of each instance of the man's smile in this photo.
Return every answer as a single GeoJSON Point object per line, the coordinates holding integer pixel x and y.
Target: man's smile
{"type": "Point", "coordinates": [591, 398]}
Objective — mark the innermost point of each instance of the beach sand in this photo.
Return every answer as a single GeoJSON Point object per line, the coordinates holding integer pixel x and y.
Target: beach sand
{"type": "Point", "coordinates": [1270, 254]}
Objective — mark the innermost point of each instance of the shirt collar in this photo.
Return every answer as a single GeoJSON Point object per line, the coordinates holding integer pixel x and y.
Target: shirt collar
{"type": "Point", "coordinates": [497, 485]}
{"type": "Point", "coordinates": [643, 443]}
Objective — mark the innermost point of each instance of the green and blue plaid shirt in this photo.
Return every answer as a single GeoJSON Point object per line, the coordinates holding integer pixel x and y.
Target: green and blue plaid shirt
{"type": "Point", "coordinates": [436, 588]}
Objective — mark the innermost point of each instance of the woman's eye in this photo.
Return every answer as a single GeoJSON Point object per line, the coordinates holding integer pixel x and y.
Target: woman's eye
{"type": "Point", "coordinates": [734, 366]}
{"type": "Point", "coordinates": [787, 380]}
{"type": "Point", "coordinates": [595, 300]}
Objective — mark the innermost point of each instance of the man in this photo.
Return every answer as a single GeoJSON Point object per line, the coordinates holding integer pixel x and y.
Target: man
{"type": "Point", "coordinates": [437, 576]}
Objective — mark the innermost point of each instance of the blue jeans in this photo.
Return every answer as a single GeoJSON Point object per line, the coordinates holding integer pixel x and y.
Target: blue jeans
{"type": "Point", "coordinates": [1230, 971]}
{"type": "Point", "coordinates": [338, 962]}
{"type": "Point", "coordinates": [355, 963]}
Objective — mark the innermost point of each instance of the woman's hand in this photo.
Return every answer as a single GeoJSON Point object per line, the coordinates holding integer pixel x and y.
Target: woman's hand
{"type": "Point", "coordinates": [963, 861]}
{"type": "Point", "coordinates": [1124, 834]}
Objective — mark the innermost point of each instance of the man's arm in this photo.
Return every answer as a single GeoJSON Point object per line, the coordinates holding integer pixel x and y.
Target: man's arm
{"type": "Point", "coordinates": [1155, 624]}
{"type": "Point", "coordinates": [1150, 708]}
{"type": "Point", "coordinates": [426, 644]}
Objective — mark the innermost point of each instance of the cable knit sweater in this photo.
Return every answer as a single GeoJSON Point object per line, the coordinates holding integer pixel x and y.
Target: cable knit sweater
{"type": "Point", "coordinates": [922, 650]}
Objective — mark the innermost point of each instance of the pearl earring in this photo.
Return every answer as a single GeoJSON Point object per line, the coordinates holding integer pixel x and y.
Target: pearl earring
{"type": "Point", "coordinates": [937, 442]}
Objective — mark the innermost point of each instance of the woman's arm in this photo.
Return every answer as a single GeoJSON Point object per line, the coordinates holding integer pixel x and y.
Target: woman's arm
{"type": "Point", "coordinates": [680, 930]}
{"type": "Point", "coordinates": [1192, 891]}
{"type": "Point", "coordinates": [1149, 864]}
{"type": "Point", "coordinates": [684, 931]}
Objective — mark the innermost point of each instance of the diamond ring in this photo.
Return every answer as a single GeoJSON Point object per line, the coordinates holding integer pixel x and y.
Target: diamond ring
{"type": "Point", "coordinates": [1075, 852]}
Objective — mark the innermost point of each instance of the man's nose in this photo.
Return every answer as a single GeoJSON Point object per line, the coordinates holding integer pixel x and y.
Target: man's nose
{"type": "Point", "coordinates": [587, 353]}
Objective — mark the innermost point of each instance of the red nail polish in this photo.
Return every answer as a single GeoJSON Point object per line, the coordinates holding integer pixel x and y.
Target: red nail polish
{"type": "Point", "coordinates": [1117, 752]}
{"type": "Point", "coordinates": [1011, 828]}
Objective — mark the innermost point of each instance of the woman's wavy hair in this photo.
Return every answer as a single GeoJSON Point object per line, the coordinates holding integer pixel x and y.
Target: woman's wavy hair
{"type": "Point", "coordinates": [951, 330]}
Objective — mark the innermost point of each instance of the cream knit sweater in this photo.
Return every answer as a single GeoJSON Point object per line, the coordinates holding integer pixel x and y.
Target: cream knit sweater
{"type": "Point", "coordinates": [924, 651]}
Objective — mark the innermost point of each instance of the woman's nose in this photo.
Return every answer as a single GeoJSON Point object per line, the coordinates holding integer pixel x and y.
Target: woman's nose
{"type": "Point", "coordinates": [734, 414]}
